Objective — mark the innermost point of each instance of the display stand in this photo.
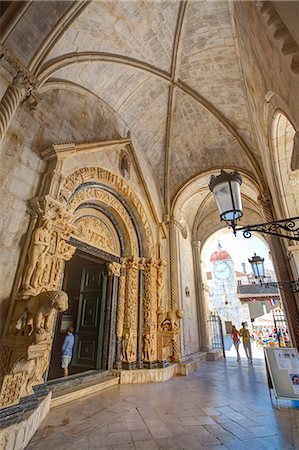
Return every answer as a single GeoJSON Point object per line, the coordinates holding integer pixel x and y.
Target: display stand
{"type": "Point", "coordinates": [282, 365]}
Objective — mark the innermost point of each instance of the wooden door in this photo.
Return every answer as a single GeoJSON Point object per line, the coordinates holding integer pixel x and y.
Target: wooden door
{"type": "Point", "coordinates": [90, 320]}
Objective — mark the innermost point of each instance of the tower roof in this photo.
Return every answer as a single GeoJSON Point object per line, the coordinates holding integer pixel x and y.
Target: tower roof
{"type": "Point", "coordinates": [219, 255]}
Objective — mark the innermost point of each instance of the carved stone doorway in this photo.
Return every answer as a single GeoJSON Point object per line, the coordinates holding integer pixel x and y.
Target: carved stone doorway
{"type": "Point", "coordinates": [87, 285]}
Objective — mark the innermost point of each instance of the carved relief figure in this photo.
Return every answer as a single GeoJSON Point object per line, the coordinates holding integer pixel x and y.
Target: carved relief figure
{"type": "Point", "coordinates": [160, 283]}
{"type": "Point", "coordinates": [148, 350]}
{"type": "Point", "coordinates": [170, 320]}
{"type": "Point", "coordinates": [36, 312]}
{"type": "Point", "coordinates": [126, 347]}
{"type": "Point", "coordinates": [36, 255]}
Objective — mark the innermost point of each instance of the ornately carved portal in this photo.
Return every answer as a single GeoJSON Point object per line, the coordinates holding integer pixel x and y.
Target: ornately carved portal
{"type": "Point", "coordinates": [71, 205]}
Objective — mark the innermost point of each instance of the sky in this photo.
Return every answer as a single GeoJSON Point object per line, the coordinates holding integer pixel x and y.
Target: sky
{"type": "Point", "coordinates": [240, 249]}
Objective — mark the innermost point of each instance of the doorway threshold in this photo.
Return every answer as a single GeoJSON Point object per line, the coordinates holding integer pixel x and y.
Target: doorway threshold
{"type": "Point", "coordinates": [80, 385]}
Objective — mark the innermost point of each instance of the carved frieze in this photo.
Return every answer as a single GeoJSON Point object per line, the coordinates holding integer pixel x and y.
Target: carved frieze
{"type": "Point", "coordinates": [95, 232]}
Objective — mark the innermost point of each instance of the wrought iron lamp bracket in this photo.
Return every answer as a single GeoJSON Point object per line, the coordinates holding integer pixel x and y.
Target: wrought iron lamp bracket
{"type": "Point", "coordinates": [273, 228]}
{"type": "Point", "coordinates": [284, 285]}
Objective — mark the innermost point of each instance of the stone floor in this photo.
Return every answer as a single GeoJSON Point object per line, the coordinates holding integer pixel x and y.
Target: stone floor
{"type": "Point", "coordinates": [224, 405]}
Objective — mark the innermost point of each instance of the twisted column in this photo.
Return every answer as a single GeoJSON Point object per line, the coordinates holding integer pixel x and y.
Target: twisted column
{"type": "Point", "coordinates": [201, 300]}
{"type": "Point", "coordinates": [13, 96]}
{"type": "Point", "coordinates": [174, 278]}
{"type": "Point", "coordinates": [281, 267]}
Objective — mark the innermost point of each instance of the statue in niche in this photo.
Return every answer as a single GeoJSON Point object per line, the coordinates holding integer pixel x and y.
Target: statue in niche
{"type": "Point", "coordinates": [160, 285]}
{"type": "Point", "coordinates": [126, 347]}
{"type": "Point", "coordinates": [35, 313]}
{"type": "Point", "coordinates": [124, 165]}
{"type": "Point", "coordinates": [148, 350]}
{"type": "Point", "coordinates": [39, 246]}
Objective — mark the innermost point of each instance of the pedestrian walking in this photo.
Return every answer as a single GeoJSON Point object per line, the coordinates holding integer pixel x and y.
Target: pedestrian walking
{"type": "Point", "coordinates": [244, 333]}
{"type": "Point", "coordinates": [236, 340]}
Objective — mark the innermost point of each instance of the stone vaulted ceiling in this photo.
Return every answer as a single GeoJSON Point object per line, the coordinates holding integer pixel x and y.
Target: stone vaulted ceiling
{"type": "Point", "coordinates": [169, 69]}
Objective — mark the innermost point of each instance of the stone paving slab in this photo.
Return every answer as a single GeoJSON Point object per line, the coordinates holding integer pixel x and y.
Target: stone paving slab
{"type": "Point", "coordinates": [221, 406]}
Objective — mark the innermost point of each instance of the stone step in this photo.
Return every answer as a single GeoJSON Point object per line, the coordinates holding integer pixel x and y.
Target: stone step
{"type": "Point", "coordinates": [189, 364]}
{"type": "Point", "coordinates": [82, 390]}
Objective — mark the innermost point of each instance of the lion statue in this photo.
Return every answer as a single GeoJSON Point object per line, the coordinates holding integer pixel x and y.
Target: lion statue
{"type": "Point", "coordinates": [170, 320]}
{"type": "Point", "coordinates": [35, 312]}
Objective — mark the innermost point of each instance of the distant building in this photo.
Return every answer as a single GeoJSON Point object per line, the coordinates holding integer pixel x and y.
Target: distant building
{"type": "Point", "coordinates": [237, 296]}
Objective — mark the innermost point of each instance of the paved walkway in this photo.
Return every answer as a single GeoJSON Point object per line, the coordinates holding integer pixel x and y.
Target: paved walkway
{"type": "Point", "coordinates": [224, 405]}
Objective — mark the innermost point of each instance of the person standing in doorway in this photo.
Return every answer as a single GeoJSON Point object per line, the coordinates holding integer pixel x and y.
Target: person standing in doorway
{"type": "Point", "coordinates": [244, 333]}
{"type": "Point", "coordinates": [67, 351]}
{"type": "Point", "coordinates": [236, 340]}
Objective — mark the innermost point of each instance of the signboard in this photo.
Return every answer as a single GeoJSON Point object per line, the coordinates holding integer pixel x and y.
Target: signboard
{"type": "Point", "coordinates": [283, 367]}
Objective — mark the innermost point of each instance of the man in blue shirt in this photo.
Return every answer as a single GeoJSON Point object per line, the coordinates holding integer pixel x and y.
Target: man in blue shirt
{"type": "Point", "coordinates": [67, 351]}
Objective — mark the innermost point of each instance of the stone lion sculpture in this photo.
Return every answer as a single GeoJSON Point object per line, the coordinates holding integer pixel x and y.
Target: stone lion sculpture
{"type": "Point", "coordinates": [36, 312]}
{"type": "Point", "coordinates": [170, 320]}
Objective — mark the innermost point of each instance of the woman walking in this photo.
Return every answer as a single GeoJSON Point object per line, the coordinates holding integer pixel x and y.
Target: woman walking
{"type": "Point", "coordinates": [236, 340]}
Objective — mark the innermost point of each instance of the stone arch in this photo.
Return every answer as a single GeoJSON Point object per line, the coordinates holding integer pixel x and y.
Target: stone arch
{"type": "Point", "coordinates": [282, 135]}
{"type": "Point", "coordinates": [103, 177]}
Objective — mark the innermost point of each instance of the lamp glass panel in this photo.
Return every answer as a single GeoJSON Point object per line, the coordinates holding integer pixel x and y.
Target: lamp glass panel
{"type": "Point", "coordinates": [229, 205]}
{"type": "Point", "coordinates": [258, 269]}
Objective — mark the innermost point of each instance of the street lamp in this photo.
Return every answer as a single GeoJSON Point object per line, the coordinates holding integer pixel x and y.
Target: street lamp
{"type": "Point", "coordinates": [226, 190]}
{"type": "Point", "coordinates": [257, 264]}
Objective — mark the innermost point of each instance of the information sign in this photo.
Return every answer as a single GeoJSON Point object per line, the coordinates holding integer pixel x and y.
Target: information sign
{"type": "Point", "coordinates": [283, 367]}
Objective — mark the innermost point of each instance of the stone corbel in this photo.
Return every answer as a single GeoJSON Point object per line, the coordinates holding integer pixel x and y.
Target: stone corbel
{"type": "Point", "coordinates": [114, 269]}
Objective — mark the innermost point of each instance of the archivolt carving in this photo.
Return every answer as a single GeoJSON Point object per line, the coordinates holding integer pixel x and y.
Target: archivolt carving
{"type": "Point", "coordinates": [103, 175]}
{"type": "Point", "coordinates": [93, 231]}
{"type": "Point", "coordinates": [109, 199]}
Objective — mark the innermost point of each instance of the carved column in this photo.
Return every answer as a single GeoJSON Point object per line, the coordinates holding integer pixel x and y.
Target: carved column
{"type": "Point", "coordinates": [149, 332]}
{"type": "Point", "coordinates": [15, 93]}
{"type": "Point", "coordinates": [174, 278]}
{"type": "Point", "coordinates": [129, 338]}
{"type": "Point", "coordinates": [201, 300]}
{"type": "Point", "coordinates": [114, 270]}
{"type": "Point", "coordinates": [283, 274]}
{"type": "Point", "coordinates": [120, 312]}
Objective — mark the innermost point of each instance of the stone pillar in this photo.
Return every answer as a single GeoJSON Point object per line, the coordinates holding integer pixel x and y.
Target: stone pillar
{"type": "Point", "coordinates": [120, 313]}
{"type": "Point", "coordinates": [201, 300]}
{"type": "Point", "coordinates": [129, 338]}
{"type": "Point", "coordinates": [174, 279]}
{"type": "Point", "coordinates": [149, 329]}
{"type": "Point", "coordinates": [15, 93]}
{"type": "Point", "coordinates": [281, 265]}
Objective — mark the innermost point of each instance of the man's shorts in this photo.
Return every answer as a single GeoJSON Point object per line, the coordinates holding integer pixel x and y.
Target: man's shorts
{"type": "Point", "coordinates": [65, 360]}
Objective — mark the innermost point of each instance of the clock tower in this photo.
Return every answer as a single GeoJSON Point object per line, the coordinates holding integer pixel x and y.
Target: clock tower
{"type": "Point", "coordinates": [224, 289]}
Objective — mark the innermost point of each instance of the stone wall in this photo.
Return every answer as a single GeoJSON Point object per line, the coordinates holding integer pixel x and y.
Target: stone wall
{"type": "Point", "coordinates": [188, 298]}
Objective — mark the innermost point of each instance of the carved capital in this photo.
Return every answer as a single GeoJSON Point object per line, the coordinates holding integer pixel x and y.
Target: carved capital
{"type": "Point", "coordinates": [114, 269]}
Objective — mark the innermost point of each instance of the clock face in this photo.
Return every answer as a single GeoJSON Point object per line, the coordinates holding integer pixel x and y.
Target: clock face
{"type": "Point", "coordinates": [222, 270]}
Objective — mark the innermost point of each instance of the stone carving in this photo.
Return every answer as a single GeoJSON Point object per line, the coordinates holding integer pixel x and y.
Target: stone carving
{"type": "Point", "coordinates": [149, 348]}
{"type": "Point", "coordinates": [160, 282]}
{"type": "Point", "coordinates": [11, 389]}
{"type": "Point", "coordinates": [114, 269]}
{"type": "Point", "coordinates": [128, 352]}
{"type": "Point", "coordinates": [124, 165]}
{"type": "Point", "coordinates": [36, 312]}
{"type": "Point", "coordinates": [105, 197]}
{"type": "Point", "coordinates": [39, 246]}
{"type": "Point", "coordinates": [131, 307]}
{"type": "Point", "coordinates": [93, 231]}
{"type": "Point", "coordinates": [170, 320]}
{"type": "Point", "coordinates": [168, 332]}
{"type": "Point", "coordinates": [99, 174]}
